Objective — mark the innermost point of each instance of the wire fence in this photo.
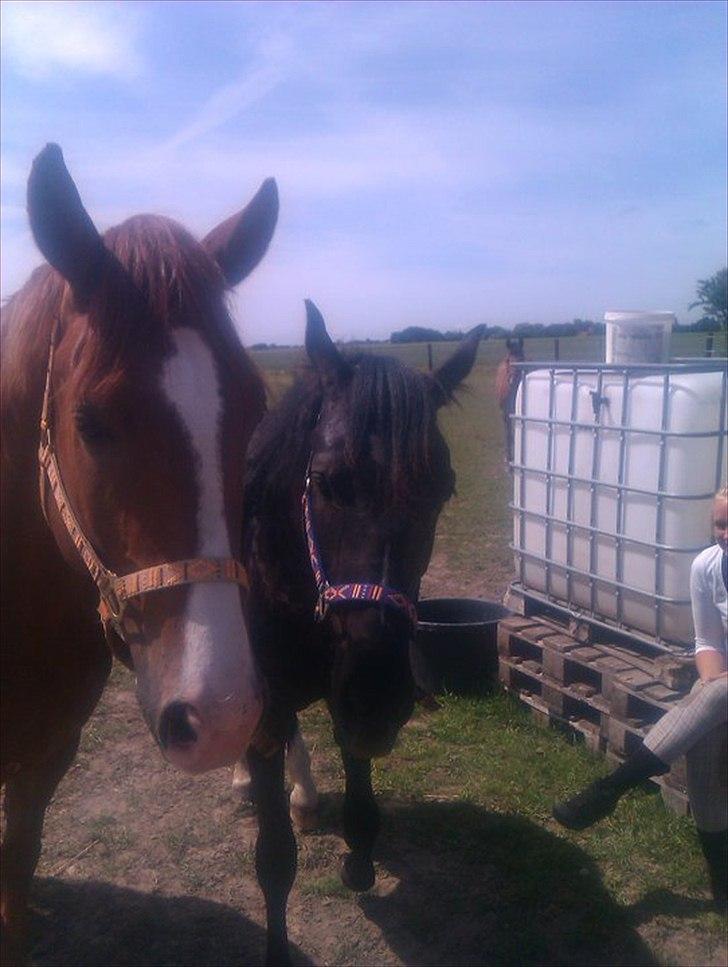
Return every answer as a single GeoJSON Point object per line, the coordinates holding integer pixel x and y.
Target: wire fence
{"type": "Point", "coordinates": [582, 348]}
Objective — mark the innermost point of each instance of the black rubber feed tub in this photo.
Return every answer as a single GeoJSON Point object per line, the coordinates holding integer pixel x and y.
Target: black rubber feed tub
{"type": "Point", "coordinates": [456, 648]}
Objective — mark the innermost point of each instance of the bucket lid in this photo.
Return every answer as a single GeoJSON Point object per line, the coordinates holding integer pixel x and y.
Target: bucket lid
{"type": "Point", "coordinates": [637, 317]}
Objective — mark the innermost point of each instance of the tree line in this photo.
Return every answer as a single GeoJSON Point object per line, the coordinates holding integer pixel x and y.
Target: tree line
{"type": "Point", "coordinates": [524, 329]}
{"type": "Point", "coordinates": [712, 298]}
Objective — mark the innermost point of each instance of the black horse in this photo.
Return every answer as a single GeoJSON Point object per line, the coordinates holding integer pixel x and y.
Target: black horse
{"type": "Point", "coordinates": [346, 478]}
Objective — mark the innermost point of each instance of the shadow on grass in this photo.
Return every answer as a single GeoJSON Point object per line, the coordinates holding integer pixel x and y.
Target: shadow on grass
{"type": "Point", "coordinates": [665, 902]}
{"type": "Point", "coordinates": [480, 888]}
{"type": "Point", "coordinates": [94, 923]}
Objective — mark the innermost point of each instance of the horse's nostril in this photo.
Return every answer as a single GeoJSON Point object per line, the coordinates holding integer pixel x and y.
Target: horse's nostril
{"type": "Point", "coordinates": [175, 727]}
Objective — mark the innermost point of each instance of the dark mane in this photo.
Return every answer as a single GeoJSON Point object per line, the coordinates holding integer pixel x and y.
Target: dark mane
{"type": "Point", "coordinates": [385, 398]}
{"type": "Point", "coordinates": [396, 403]}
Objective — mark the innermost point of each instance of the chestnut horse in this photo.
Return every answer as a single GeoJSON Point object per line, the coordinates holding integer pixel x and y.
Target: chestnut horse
{"type": "Point", "coordinates": [507, 381]}
{"type": "Point", "coordinates": [346, 479]}
{"type": "Point", "coordinates": [121, 361]}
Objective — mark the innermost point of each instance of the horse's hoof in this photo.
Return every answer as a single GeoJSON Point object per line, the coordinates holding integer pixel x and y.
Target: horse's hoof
{"type": "Point", "coordinates": [305, 818]}
{"type": "Point", "coordinates": [357, 872]}
{"type": "Point", "coordinates": [278, 956]}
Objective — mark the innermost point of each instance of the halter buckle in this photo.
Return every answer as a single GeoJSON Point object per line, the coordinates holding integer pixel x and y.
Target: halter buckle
{"type": "Point", "coordinates": [115, 606]}
{"type": "Point", "coordinates": [322, 607]}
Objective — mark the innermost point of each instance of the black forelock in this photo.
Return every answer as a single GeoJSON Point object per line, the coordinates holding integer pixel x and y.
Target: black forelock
{"type": "Point", "coordinates": [384, 397]}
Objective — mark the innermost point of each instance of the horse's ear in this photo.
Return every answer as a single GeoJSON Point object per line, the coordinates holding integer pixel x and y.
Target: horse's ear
{"type": "Point", "coordinates": [454, 370]}
{"type": "Point", "coordinates": [61, 226]}
{"type": "Point", "coordinates": [240, 242]}
{"type": "Point", "coordinates": [330, 364]}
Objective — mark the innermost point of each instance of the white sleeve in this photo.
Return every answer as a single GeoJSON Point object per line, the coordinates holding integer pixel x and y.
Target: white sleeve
{"type": "Point", "coordinates": [706, 616]}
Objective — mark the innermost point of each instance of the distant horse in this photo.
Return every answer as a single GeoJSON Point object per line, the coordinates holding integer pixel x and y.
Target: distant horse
{"type": "Point", "coordinates": [345, 482]}
{"type": "Point", "coordinates": [507, 381]}
{"type": "Point", "coordinates": [122, 371]}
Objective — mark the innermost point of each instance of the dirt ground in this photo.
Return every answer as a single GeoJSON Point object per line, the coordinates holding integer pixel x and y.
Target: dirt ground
{"type": "Point", "coordinates": [144, 866]}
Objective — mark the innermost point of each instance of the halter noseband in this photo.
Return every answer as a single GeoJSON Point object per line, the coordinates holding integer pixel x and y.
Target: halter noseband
{"type": "Point", "coordinates": [115, 590]}
{"type": "Point", "coordinates": [332, 595]}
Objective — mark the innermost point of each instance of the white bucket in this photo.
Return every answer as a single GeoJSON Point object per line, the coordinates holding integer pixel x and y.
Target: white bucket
{"type": "Point", "coordinates": [638, 337]}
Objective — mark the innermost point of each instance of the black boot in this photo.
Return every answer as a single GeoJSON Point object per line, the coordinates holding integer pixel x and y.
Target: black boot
{"type": "Point", "coordinates": [715, 851]}
{"type": "Point", "coordinates": [600, 798]}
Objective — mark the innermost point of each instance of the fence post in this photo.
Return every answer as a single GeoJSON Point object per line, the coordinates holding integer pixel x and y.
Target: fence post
{"type": "Point", "coordinates": [429, 355]}
{"type": "Point", "coordinates": [709, 345]}
{"type": "Point", "coordinates": [557, 354]}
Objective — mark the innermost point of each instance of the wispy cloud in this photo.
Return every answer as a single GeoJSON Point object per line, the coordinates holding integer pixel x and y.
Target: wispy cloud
{"type": "Point", "coordinates": [42, 38]}
{"type": "Point", "coordinates": [269, 68]}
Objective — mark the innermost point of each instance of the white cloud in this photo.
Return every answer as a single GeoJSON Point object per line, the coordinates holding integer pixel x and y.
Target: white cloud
{"type": "Point", "coordinates": [41, 38]}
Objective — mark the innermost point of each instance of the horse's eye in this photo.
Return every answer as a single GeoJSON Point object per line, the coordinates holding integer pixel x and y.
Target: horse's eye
{"type": "Point", "coordinates": [336, 488]}
{"type": "Point", "coordinates": [91, 426]}
{"type": "Point", "coordinates": [322, 484]}
{"type": "Point", "coordinates": [342, 488]}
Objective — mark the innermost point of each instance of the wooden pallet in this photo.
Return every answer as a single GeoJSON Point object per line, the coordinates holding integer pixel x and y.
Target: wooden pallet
{"type": "Point", "coordinates": [605, 694]}
{"type": "Point", "coordinates": [633, 686]}
{"type": "Point", "coordinates": [676, 667]}
{"type": "Point", "coordinates": [575, 701]}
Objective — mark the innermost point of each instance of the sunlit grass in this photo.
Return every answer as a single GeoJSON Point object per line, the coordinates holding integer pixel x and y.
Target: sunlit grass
{"type": "Point", "coordinates": [486, 756]}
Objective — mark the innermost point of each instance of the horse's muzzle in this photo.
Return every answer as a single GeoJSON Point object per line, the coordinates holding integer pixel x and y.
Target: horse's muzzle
{"type": "Point", "coordinates": [197, 742]}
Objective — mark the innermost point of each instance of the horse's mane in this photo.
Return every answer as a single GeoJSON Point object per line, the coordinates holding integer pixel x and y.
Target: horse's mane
{"type": "Point", "coordinates": [158, 278]}
{"type": "Point", "coordinates": [385, 398]}
{"type": "Point", "coordinates": [27, 317]}
{"type": "Point", "coordinates": [175, 277]}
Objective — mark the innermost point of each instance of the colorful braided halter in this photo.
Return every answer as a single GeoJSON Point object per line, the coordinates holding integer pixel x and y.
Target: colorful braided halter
{"type": "Point", "coordinates": [331, 595]}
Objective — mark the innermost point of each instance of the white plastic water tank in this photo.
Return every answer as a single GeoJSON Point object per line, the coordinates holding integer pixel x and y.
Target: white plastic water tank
{"type": "Point", "coordinates": [614, 473]}
{"type": "Point", "coordinates": [638, 337]}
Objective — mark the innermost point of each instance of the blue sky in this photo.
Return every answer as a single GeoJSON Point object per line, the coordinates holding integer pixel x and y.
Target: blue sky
{"type": "Point", "coordinates": [438, 164]}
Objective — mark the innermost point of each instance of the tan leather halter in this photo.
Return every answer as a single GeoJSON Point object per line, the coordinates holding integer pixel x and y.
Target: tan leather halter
{"type": "Point", "coordinates": [116, 590]}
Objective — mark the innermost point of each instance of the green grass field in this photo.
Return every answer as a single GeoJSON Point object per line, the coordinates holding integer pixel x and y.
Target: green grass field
{"type": "Point", "coordinates": [576, 348]}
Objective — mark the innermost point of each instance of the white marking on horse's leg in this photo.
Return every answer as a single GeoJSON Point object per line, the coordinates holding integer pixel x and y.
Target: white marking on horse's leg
{"type": "Point", "coordinates": [217, 666]}
{"type": "Point", "coordinates": [241, 778]}
{"type": "Point", "coordinates": [304, 795]}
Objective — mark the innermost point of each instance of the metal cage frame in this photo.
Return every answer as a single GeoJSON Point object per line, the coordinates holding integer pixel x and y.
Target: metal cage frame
{"type": "Point", "coordinates": [518, 466]}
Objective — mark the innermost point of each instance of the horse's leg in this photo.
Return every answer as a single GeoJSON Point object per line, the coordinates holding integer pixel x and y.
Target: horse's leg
{"type": "Point", "coordinates": [241, 780]}
{"type": "Point", "coordinates": [361, 823]}
{"type": "Point", "coordinates": [304, 798]}
{"type": "Point", "coordinates": [275, 853]}
{"type": "Point", "coordinates": [27, 795]}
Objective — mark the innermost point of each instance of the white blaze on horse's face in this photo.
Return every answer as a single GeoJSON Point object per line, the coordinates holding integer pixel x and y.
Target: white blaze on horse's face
{"type": "Point", "coordinates": [218, 685]}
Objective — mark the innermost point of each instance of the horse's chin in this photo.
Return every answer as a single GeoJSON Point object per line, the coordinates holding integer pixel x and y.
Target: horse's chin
{"type": "Point", "coordinates": [214, 752]}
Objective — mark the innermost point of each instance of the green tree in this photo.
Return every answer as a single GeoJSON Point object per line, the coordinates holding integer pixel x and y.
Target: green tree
{"type": "Point", "coordinates": [416, 334]}
{"type": "Point", "coordinates": [712, 296]}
